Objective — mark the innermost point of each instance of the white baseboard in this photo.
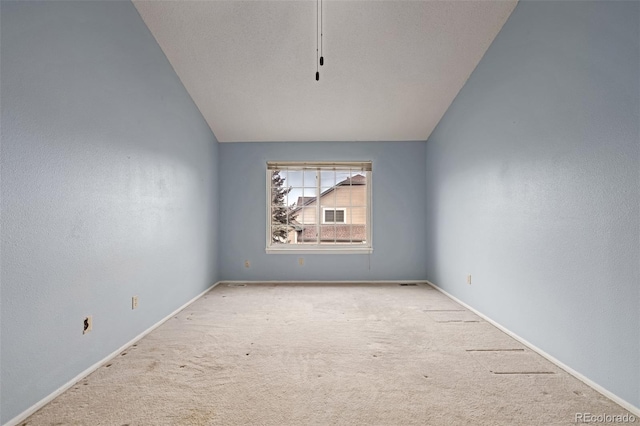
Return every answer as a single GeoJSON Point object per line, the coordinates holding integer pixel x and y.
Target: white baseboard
{"type": "Point", "coordinates": [624, 404]}
{"type": "Point", "coordinates": [327, 282]}
{"type": "Point", "coordinates": [29, 411]}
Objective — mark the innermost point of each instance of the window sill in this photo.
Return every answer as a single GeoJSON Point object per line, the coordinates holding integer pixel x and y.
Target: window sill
{"type": "Point", "coordinates": [319, 250]}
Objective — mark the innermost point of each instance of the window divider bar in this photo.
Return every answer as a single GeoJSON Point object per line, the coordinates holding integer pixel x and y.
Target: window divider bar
{"type": "Point", "coordinates": [318, 208]}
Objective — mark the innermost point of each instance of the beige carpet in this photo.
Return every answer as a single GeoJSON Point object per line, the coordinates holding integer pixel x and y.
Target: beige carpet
{"type": "Point", "coordinates": [326, 355]}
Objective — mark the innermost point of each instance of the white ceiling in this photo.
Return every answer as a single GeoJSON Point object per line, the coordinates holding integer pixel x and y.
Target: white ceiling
{"type": "Point", "coordinates": [392, 68]}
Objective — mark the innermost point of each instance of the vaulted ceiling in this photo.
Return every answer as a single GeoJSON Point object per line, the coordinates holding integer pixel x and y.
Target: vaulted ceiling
{"type": "Point", "coordinates": [391, 70]}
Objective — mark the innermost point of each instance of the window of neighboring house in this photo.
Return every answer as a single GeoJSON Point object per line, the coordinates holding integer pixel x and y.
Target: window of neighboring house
{"type": "Point", "coordinates": [333, 215]}
{"type": "Point", "coordinates": [319, 207]}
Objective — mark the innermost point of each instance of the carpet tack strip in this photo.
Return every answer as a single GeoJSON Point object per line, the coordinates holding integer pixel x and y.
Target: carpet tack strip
{"type": "Point", "coordinates": [494, 350]}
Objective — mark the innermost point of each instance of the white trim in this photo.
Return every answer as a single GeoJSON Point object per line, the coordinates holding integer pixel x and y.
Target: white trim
{"type": "Point", "coordinates": [311, 165]}
{"type": "Point", "coordinates": [369, 211]}
{"type": "Point", "coordinates": [365, 247]}
{"type": "Point", "coordinates": [44, 401]}
{"type": "Point", "coordinates": [326, 282]}
{"type": "Point", "coordinates": [624, 404]}
{"type": "Point", "coordinates": [315, 249]}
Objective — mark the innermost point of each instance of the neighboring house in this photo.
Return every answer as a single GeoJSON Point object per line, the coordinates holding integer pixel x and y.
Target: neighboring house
{"type": "Point", "coordinates": [343, 214]}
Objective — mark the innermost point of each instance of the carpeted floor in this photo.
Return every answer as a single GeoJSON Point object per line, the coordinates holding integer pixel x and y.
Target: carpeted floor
{"type": "Point", "coordinates": [326, 355]}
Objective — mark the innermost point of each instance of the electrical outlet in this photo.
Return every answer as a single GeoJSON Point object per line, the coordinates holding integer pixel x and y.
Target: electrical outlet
{"type": "Point", "coordinates": [301, 261]}
{"type": "Point", "coordinates": [134, 302]}
{"type": "Point", "coordinates": [87, 324]}
{"type": "Point", "coordinates": [247, 264]}
{"type": "Point", "coordinates": [469, 279]}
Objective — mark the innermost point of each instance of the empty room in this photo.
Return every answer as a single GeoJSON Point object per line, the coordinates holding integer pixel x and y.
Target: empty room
{"type": "Point", "coordinates": [319, 212]}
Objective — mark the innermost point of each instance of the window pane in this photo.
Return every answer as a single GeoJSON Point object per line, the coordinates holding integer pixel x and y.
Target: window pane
{"type": "Point", "coordinates": [279, 235]}
{"type": "Point", "coordinates": [309, 178]}
{"type": "Point", "coordinates": [327, 178]}
{"type": "Point", "coordinates": [308, 234]}
{"type": "Point", "coordinates": [294, 177]}
{"type": "Point", "coordinates": [356, 233]}
{"type": "Point", "coordinates": [327, 234]}
{"type": "Point", "coordinates": [324, 191]}
{"type": "Point", "coordinates": [295, 197]}
{"type": "Point", "coordinates": [328, 198]}
{"type": "Point", "coordinates": [282, 216]}
{"type": "Point", "coordinates": [278, 216]}
{"type": "Point", "coordinates": [310, 192]}
{"type": "Point", "coordinates": [342, 176]}
{"type": "Point", "coordinates": [309, 205]}
{"type": "Point", "coordinates": [357, 216]}
{"type": "Point", "coordinates": [339, 216]}
{"type": "Point", "coordinates": [280, 198]}
{"type": "Point", "coordinates": [329, 216]}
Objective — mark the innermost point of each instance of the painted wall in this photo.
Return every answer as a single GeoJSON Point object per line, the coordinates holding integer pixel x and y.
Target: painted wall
{"type": "Point", "coordinates": [533, 187]}
{"type": "Point", "coordinates": [398, 212]}
{"type": "Point", "coordinates": [109, 190]}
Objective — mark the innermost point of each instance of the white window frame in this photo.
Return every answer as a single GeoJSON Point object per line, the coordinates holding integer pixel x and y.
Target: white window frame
{"type": "Point", "coordinates": [335, 209]}
{"type": "Point", "coordinates": [365, 247]}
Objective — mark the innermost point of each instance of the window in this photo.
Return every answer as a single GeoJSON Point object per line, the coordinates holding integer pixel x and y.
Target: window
{"type": "Point", "coordinates": [319, 207]}
{"type": "Point", "coordinates": [333, 215]}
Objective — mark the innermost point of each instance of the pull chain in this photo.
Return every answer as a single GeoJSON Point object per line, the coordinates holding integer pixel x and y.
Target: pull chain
{"type": "Point", "coordinates": [317, 71]}
{"type": "Point", "coordinates": [321, 27]}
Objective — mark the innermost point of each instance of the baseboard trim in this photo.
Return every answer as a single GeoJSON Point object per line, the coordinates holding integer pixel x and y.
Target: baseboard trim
{"type": "Point", "coordinates": [38, 405]}
{"type": "Point", "coordinates": [624, 404]}
{"type": "Point", "coordinates": [325, 282]}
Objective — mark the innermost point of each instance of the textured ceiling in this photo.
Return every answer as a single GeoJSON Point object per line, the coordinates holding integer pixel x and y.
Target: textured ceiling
{"type": "Point", "coordinates": [392, 68]}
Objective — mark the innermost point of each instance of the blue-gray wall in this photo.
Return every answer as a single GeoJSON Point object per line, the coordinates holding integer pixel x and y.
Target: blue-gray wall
{"type": "Point", "coordinates": [109, 189]}
{"type": "Point", "coordinates": [533, 187]}
{"type": "Point", "coordinates": [398, 212]}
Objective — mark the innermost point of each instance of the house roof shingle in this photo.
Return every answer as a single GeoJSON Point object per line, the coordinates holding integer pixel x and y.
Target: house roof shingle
{"type": "Point", "coordinates": [338, 233]}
